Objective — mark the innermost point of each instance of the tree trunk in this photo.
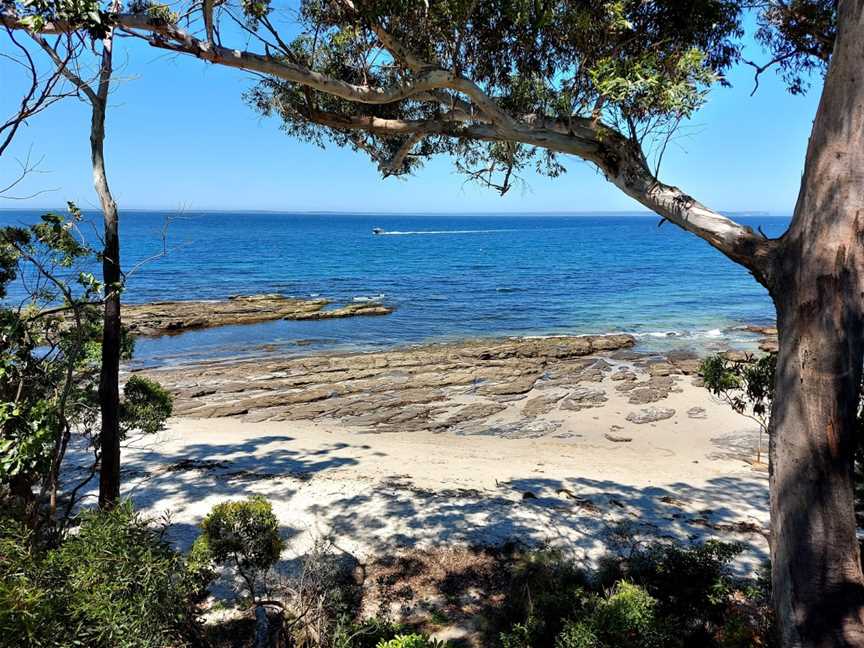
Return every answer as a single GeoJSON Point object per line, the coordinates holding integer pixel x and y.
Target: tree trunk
{"type": "Point", "coordinates": [817, 282]}
{"type": "Point", "coordinates": [109, 388]}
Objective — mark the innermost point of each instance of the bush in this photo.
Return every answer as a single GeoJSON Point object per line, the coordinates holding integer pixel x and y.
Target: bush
{"type": "Point", "coordinates": [31, 607]}
{"type": "Point", "coordinates": [243, 534]}
{"type": "Point", "coordinates": [627, 618]}
{"type": "Point", "coordinates": [544, 590]}
{"type": "Point", "coordinates": [577, 634]}
{"type": "Point", "coordinates": [146, 405]}
{"type": "Point", "coordinates": [660, 596]}
{"type": "Point", "coordinates": [367, 634]}
{"type": "Point", "coordinates": [377, 633]}
{"type": "Point", "coordinates": [114, 584]}
{"type": "Point", "coordinates": [411, 641]}
{"type": "Point", "coordinates": [692, 584]}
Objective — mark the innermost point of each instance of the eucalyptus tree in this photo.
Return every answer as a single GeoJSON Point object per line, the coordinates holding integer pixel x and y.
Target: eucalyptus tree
{"type": "Point", "coordinates": [501, 86]}
{"type": "Point", "coordinates": [66, 54]}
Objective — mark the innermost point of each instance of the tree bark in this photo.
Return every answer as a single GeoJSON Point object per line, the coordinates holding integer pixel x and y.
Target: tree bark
{"type": "Point", "coordinates": [109, 388]}
{"type": "Point", "coordinates": [817, 284]}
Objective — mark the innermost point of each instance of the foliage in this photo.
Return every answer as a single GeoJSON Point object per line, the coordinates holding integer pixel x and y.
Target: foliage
{"type": "Point", "coordinates": [748, 387]}
{"type": "Point", "coordinates": [634, 69]}
{"type": "Point", "coordinates": [692, 585]}
{"type": "Point", "coordinates": [31, 606]}
{"type": "Point", "coordinates": [800, 35]}
{"type": "Point", "coordinates": [640, 66]}
{"type": "Point", "coordinates": [376, 633]}
{"type": "Point", "coordinates": [115, 583]}
{"type": "Point", "coordinates": [50, 358]}
{"type": "Point", "coordinates": [86, 13]}
{"type": "Point", "coordinates": [243, 534]}
{"type": "Point", "coordinates": [544, 589]}
{"type": "Point", "coordinates": [48, 386]}
{"type": "Point", "coordinates": [411, 641]}
{"type": "Point", "coordinates": [366, 634]}
{"type": "Point", "coordinates": [660, 595]}
{"type": "Point", "coordinates": [146, 405]}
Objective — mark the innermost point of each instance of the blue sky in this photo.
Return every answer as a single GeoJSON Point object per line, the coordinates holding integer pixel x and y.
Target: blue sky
{"type": "Point", "coordinates": [180, 135]}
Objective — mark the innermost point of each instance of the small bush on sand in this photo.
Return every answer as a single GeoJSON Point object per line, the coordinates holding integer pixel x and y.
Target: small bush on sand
{"type": "Point", "coordinates": [146, 406]}
{"type": "Point", "coordinates": [243, 535]}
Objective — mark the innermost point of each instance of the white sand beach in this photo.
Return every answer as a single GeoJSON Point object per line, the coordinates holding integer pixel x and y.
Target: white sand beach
{"type": "Point", "coordinates": [578, 479]}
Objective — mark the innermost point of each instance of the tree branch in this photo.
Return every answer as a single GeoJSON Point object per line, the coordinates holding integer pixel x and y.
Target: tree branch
{"type": "Point", "coordinates": [589, 139]}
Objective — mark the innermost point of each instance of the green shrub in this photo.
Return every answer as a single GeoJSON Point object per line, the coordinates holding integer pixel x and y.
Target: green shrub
{"type": "Point", "coordinates": [243, 534]}
{"type": "Point", "coordinates": [544, 591]}
{"type": "Point", "coordinates": [146, 405]}
{"type": "Point", "coordinates": [377, 633]}
{"type": "Point", "coordinates": [115, 583]}
{"type": "Point", "coordinates": [31, 608]}
{"type": "Point", "coordinates": [663, 596]}
{"type": "Point", "coordinates": [627, 618]}
{"type": "Point", "coordinates": [577, 634]}
{"type": "Point", "coordinates": [691, 584]}
{"type": "Point", "coordinates": [366, 634]}
{"type": "Point", "coordinates": [125, 585]}
{"type": "Point", "coordinates": [411, 641]}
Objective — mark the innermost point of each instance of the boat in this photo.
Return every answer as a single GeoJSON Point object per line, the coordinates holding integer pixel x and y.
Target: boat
{"type": "Point", "coordinates": [377, 230]}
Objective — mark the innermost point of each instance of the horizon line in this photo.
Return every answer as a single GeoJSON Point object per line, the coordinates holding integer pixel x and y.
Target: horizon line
{"type": "Point", "coordinates": [599, 212]}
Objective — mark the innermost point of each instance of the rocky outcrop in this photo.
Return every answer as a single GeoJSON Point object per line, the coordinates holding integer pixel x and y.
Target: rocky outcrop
{"type": "Point", "coordinates": [769, 342]}
{"type": "Point", "coordinates": [172, 317]}
{"type": "Point", "coordinates": [424, 387]}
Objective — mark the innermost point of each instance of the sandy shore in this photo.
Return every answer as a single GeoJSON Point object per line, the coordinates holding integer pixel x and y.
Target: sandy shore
{"type": "Point", "coordinates": [532, 443]}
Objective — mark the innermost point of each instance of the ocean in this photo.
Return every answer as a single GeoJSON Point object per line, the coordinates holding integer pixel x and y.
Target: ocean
{"type": "Point", "coordinates": [449, 277]}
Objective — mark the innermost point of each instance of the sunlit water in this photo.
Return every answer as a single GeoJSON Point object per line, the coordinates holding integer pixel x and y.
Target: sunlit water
{"type": "Point", "coordinates": [449, 277]}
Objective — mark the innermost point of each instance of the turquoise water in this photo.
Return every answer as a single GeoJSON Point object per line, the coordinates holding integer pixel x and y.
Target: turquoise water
{"type": "Point", "coordinates": [448, 277]}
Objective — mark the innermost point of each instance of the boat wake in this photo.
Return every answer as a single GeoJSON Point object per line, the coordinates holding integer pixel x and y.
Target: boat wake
{"type": "Point", "coordinates": [429, 232]}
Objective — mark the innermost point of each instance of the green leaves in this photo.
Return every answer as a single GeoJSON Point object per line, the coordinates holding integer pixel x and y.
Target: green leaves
{"type": "Point", "coordinates": [50, 353]}
{"type": "Point", "coordinates": [243, 534]}
{"type": "Point", "coordinates": [643, 86]}
{"type": "Point", "coordinates": [745, 386]}
{"type": "Point", "coordinates": [114, 583]}
{"type": "Point", "coordinates": [146, 406]}
{"type": "Point", "coordinates": [84, 14]}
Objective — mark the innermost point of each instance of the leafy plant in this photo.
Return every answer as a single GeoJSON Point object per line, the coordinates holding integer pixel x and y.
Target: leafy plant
{"type": "Point", "coordinates": [748, 387]}
{"type": "Point", "coordinates": [114, 583]}
{"type": "Point", "coordinates": [146, 405]}
{"type": "Point", "coordinates": [411, 641]}
{"type": "Point", "coordinates": [50, 358]}
{"type": "Point", "coordinates": [244, 535]}
{"type": "Point", "coordinates": [661, 596]}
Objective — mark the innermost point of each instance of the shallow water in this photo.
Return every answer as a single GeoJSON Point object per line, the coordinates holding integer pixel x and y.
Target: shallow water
{"type": "Point", "coordinates": [449, 277]}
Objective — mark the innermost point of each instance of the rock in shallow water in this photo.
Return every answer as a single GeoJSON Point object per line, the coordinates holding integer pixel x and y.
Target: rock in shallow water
{"type": "Point", "coordinates": [171, 317]}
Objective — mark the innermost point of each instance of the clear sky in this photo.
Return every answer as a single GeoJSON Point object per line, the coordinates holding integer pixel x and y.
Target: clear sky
{"type": "Point", "coordinates": [180, 135]}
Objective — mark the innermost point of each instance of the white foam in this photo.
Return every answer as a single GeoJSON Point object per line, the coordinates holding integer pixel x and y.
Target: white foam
{"type": "Point", "coordinates": [420, 233]}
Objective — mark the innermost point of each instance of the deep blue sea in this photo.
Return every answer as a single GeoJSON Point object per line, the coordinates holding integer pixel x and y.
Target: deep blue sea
{"type": "Point", "coordinates": [449, 277]}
